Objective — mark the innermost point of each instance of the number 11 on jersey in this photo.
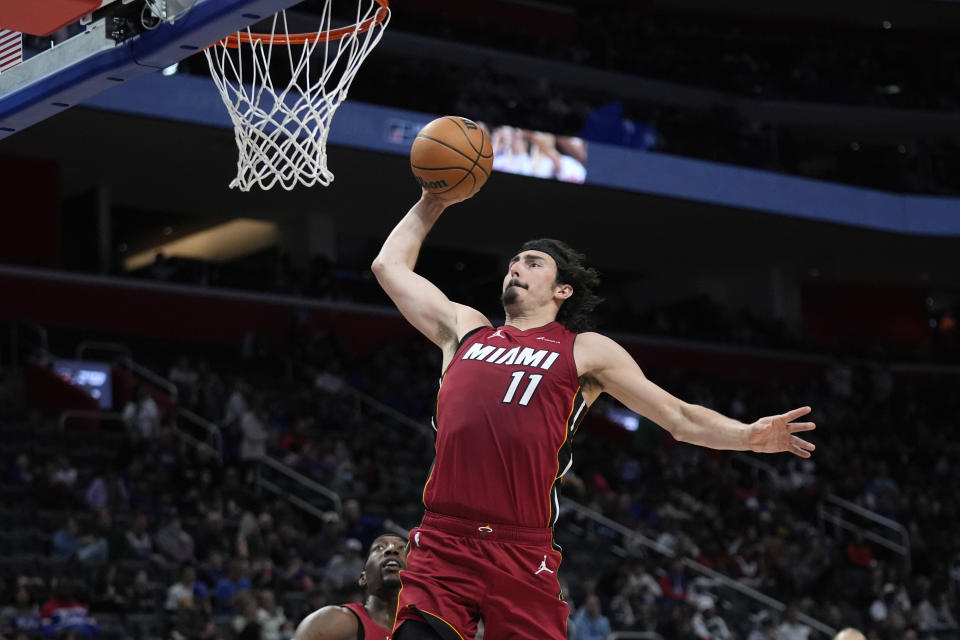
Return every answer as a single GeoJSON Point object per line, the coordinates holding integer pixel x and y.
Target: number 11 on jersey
{"type": "Point", "coordinates": [527, 393]}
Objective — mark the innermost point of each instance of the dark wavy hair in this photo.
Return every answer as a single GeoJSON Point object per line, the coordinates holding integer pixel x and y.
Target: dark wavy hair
{"type": "Point", "coordinates": [576, 312]}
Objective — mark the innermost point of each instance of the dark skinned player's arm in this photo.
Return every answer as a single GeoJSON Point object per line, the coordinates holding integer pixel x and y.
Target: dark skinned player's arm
{"type": "Point", "coordinates": [328, 623]}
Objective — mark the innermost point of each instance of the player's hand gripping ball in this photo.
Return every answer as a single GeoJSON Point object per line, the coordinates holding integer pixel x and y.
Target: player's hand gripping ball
{"type": "Point", "coordinates": [452, 157]}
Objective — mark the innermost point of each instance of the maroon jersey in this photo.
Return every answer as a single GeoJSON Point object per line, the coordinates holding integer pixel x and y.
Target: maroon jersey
{"type": "Point", "coordinates": [367, 629]}
{"type": "Point", "coordinates": [508, 407]}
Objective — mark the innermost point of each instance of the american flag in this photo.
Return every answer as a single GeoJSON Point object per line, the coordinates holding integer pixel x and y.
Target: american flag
{"type": "Point", "coordinates": [11, 49]}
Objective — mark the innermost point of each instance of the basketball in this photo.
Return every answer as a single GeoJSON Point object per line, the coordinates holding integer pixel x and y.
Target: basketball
{"type": "Point", "coordinates": [452, 157]}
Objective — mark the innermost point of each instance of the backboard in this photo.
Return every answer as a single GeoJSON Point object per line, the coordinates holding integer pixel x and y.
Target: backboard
{"type": "Point", "coordinates": [112, 49]}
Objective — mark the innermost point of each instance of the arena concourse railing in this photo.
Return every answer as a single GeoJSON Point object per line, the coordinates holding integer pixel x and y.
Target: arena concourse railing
{"type": "Point", "coordinates": [214, 437]}
{"type": "Point", "coordinates": [116, 349]}
{"type": "Point", "coordinates": [387, 410]}
{"type": "Point", "coordinates": [838, 512]}
{"type": "Point", "coordinates": [267, 462]}
{"type": "Point", "coordinates": [841, 513]}
{"type": "Point", "coordinates": [760, 598]}
{"type": "Point", "coordinates": [84, 414]}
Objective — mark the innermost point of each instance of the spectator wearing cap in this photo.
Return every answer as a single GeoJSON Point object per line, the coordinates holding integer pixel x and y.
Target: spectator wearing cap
{"type": "Point", "coordinates": [344, 567]}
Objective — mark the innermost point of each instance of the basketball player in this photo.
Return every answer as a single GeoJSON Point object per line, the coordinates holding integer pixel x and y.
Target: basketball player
{"type": "Point", "coordinates": [509, 404]}
{"type": "Point", "coordinates": [373, 619]}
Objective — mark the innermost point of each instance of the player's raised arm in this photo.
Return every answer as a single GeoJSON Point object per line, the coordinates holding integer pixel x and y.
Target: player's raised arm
{"type": "Point", "coordinates": [606, 366]}
{"type": "Point", "coordinates": [418, 299]}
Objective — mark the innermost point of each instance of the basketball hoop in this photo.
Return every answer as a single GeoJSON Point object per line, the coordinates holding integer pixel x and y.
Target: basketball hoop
{"type": "Point", "coordinates": [281, 131]}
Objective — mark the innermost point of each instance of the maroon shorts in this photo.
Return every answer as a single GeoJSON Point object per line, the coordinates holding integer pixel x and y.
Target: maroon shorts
{"type": "Point", "coordinates": [459, 571]}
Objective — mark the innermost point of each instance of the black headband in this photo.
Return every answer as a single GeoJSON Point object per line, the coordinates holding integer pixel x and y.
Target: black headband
{"type": "Point", "coordinates": [540, 245]}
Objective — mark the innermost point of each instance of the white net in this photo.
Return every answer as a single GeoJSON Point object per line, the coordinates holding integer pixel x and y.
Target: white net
{"type": "Point", "coordinates": [281, 130]}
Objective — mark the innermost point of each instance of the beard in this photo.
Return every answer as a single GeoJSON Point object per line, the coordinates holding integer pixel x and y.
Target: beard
{"type": "Point", "coordinates": [511, 294]}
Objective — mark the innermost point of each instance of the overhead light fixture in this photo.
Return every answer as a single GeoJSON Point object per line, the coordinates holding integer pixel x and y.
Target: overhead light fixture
{"type": "Point", "coordinates": [228, 241]}
{"type": "Point", "coordinates": [172, 69]}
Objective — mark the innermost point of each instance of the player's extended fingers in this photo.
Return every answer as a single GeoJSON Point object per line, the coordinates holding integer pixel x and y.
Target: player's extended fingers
{"type": "Point", "coordinates": [800, 443]}
{"type": "Point", "coordinates": [790, 416]}
{"type": "Point", "coordinates": [795, 427]}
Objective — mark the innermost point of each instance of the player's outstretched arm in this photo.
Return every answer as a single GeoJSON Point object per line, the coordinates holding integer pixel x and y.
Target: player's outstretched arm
{"type": "Point", "coordinates": [418, 299]}
{"type": "Point", "coordinates": [606, 366]}
{"type": "Point", "coordinates": [328, 623]}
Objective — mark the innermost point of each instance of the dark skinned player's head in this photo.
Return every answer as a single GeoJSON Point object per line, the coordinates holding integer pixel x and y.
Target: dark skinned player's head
{"type": "Point", "coordinates": [381, 573]}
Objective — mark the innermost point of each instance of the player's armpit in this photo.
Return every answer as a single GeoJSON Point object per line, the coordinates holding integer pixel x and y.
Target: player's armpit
{"type": "Point", "coordinates": [328, 623]}
{"type": "Point", "coordinates": [468, 319]}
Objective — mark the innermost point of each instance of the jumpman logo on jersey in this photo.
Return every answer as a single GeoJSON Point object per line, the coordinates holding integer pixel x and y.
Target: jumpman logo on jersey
{"type": "Point", "coordinates": [496, 334]}
{"type": "Point", "coordinates": [543, 567]}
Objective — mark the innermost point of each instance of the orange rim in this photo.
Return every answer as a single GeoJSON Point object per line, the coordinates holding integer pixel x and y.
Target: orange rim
{"type": "Point", "coordinates": [244, 37]}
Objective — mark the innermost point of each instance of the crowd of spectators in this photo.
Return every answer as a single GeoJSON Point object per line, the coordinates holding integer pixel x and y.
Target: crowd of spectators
{"type": "Point", "coordinates": [880, 65]}
{"type": "Point", "coordinates": [887, 160]}
{"type": "Point", "coordinates": [164, 539]}
{"type": "Point", "coordinates": [818, 59]}
{"type": "Point", "coordinates": [774, 60]}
